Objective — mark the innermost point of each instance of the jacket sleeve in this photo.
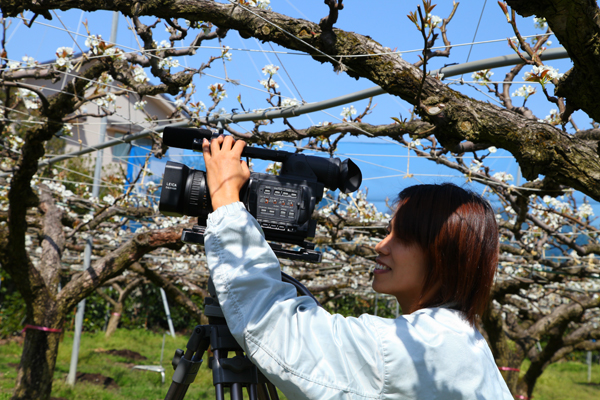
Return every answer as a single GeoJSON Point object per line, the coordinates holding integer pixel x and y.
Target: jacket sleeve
{"type": "Point", "coordinates": [305, 351]}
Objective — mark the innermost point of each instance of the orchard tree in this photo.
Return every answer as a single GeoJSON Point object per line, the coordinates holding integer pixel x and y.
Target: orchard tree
{"type": "Point", "coordinates": [545, 302]}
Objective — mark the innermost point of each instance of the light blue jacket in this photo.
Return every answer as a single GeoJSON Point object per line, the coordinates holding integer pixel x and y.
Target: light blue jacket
{"type": "Point", "coordinates": [310, 354]}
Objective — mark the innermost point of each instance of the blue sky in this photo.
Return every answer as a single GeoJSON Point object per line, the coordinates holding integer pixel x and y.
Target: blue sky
{"type": "Point", "coordinates": [383, 20]}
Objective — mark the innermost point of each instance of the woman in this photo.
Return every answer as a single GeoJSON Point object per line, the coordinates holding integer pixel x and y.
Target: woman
{"type": "Point", "coordinates": [438, 260]}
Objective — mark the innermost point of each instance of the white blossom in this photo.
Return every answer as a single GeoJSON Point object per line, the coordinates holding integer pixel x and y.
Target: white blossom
{"type": "Point", "coordinates": [30, 99]}
{"type": "Point", "coordinates": [503, 176]}
{"type": "Point", "coordinates": [108, 100]}
{"type": "Point", "coordinates": [549, 73]}
{"type": "Point", "coordinates": [475, 165]}
{"type": "Point", "coordinates": [540, 23]}
{"type": "Point", "coordinates": [262, 4]}
{"type": "Point", "coordinates": [168, 62]}
{"type": "Point", "coordinates": [108, 199]}
{"type": "Point", "coordinates": [269, 84]}
{"type": "Point", "coordinates": [553, 118]}
{"type": "Point", "coordinates": [29, 62]}
{"type": "Point", "coordinates": [270, 69]}
{"type": "Point", "coordinates": [585, 210]}
{"type": "Point", "coordinates": [139, 75]}
{"type": "Point", "coordinates": [14, 65]}
{"type": "Point", "coordinates": [287, 102]}
{"type": "Point", "coordinates": [139, 105]}
{"type": "Point", "coordinates": [348, 112]}
{"type": "Point", "coordinates": [483, 76]}
{"type": "Point", "coordinates": [414, 143]}
{"type": "Point", "coordinates": [524, 91]}
{"type": "Point", "coordinates": [93, 41]}
{"type": "Point", "coordinates": [217, 92]}
{"type": "Point", "coordinates": [435, 20]}
{"type": "Point", "coordinates": [67, 130]}
{"type": "Point", "coordinates": [114, 53]}
{"type": "Point", "coordinates": [197, 108]}
{"type": "Point", "coordinates": [225, 53]}
{"type": "Point", "coordinates": [164, 44]}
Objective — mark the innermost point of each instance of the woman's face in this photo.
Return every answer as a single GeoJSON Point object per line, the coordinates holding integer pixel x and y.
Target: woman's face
{"type": "Point", "coordinates": [400, 271]}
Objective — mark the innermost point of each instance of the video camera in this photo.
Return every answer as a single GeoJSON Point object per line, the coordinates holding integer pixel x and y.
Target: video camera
{"type": "Point", "coordinates": [282, 205]}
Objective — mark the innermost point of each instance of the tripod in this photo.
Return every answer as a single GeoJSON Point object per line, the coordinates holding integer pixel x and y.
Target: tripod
{"type": "Point", "coordinates": [235, 373]}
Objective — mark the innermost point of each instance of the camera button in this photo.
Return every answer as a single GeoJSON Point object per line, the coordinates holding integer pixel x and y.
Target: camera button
{"type": "Point", "coordinates": [266, 200]}
{"type": "Point", "coordinates": [291, 214]}
{"type": "Point", "coordinates": [277, 193]}
{"type": "Point", "coordinates": [282, 214]}
{"type": "Point", "coordinates": [267, 191]}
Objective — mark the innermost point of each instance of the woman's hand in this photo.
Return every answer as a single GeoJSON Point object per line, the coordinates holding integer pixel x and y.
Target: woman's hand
{"type": "Point", "coordinates": [226, 173]}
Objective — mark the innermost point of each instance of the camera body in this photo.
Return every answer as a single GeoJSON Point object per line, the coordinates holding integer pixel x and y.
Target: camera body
{"type": "Point", "coordinates": [282, 204]}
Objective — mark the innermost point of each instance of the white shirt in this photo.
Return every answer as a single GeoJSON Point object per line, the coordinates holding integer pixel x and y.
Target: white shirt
{"type": "Point", "coordinates": [309, 353]}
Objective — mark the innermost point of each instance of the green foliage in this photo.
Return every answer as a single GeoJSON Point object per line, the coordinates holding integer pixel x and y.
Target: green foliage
{"type": "Point", "coordinates": [12, 307]}
{"type": "Point", "coordinates": [355, 306]}
{"type": "Point", "coordinates": [144, 309]}
{"type": "Point", "coordinates": [132, 384]}
{"type": "Point", "coordinates": [566, 380]}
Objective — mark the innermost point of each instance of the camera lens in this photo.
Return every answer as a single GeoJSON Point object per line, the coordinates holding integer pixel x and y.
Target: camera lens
{"type": "Point", "coordinates": [184, 192]}
{"type": "Point", "coordinates": [196, 198]}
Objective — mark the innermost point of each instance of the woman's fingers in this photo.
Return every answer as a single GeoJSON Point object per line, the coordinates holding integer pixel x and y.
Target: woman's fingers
{"type": "Point", "coordinates": [215, 144]}
{"type": "Point", "coordinates": [238, 148]}
{"type": "Point", "coordinates": [206, 151]}
{"type": "Point", "coordinates": [225, 172]}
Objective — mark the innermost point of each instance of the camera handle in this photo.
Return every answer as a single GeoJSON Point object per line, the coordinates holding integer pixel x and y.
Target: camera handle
{"type": "Point", "coordinates": [306, 253]}
{"type": "Point", "coordinates": [235, 373]}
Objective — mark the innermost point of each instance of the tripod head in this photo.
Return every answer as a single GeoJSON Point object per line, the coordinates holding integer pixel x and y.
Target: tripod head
{"type": "Point", "coordinates": [235, 373]}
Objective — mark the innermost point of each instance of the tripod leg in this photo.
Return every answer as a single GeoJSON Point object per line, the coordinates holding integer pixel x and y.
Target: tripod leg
{"type": "Point", "coordinates": [252, 394]}
{"type": "Point", "coordinates": [219, 395]}
{"type": "Point", "coordinates": [272, 391]}
{"type": "Point", "coordinates": [176, 391]}
{"type": "Point", "coordinates": [263, 394]}
{"type": "Point", "coordinates": [236, 391]}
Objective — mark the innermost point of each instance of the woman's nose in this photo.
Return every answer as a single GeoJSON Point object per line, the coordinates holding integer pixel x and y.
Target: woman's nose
{"type": "Point", "coordinates": [382, 247]}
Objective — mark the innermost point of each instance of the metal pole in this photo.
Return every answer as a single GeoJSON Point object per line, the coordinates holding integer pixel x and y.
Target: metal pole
{"type": "Point", "coordinates": [167, 311]}
{"type": "Point", "coordinates": [454, 70]}
{"type": "Point", "coordinates": [502, 61]}
{"type": "Point", "coordinates": [71, 378]}
{"type": "Point", "coordinates": [589, 363]}
{"type": "Point", "coordinates": [79, 321]}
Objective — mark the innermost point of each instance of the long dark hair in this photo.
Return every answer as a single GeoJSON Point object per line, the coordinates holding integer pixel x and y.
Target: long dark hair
{"type": "Point", "coordinates": [457, 230]}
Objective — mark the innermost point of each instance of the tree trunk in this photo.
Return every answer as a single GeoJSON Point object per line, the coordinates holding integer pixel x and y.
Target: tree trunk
{"type": "Point", "coordinates": [507, 354]}
{"type": "Point", "coordinates": [38, 360]}
{"type": "Point", "coordinates": [115, 318]}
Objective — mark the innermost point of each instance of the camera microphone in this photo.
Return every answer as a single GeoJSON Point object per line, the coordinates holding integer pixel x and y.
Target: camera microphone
{"type": "Point", "coordinates": [186, 138]}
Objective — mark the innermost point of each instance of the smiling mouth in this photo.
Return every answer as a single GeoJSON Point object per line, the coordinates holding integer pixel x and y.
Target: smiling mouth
{"type": "Point", "coordinates": [381, 267]}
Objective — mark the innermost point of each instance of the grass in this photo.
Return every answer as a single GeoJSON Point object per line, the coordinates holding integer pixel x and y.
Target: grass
{"type": "Point", "coordinates": [566, 380]}
{"type": "Point", "coordinates": [132, 384]}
